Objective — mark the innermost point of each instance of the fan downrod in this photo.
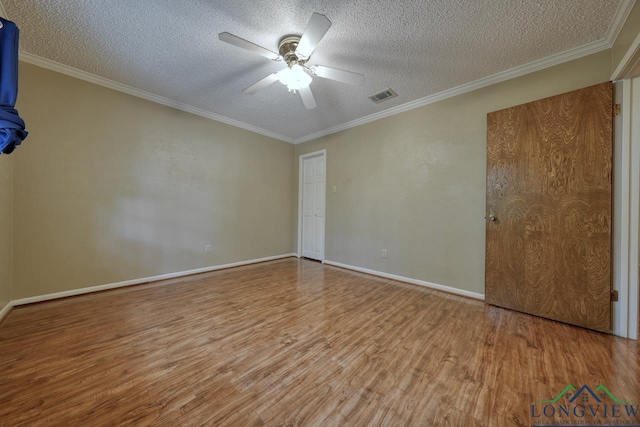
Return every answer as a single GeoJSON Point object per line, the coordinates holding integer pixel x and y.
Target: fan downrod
{"type": "Point", "coordinates": [287, 50]}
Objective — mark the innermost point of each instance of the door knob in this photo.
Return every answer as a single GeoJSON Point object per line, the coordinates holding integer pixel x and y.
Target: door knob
{"type": "Point", "coordinates": [492, 218]}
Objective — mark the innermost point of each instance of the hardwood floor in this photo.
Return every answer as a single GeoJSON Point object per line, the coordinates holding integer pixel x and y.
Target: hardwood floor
{"type": "Point", "coordinates": [288, 343]}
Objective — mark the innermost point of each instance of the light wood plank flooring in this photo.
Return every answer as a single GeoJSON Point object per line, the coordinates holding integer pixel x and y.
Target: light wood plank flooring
{"type": "Point", "coordinates": [292, 343]}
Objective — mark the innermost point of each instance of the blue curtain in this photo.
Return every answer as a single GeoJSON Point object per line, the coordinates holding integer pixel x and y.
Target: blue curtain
{"type": "Point", "coordinates": [11, 125]}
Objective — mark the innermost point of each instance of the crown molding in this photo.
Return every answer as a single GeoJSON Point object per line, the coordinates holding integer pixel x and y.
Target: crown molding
{"type": "Point", "coordinates": [614, 29]}
{"type": "Point", "coordinates": [624, 9]}
{"type": "Point", "coordinates": [130, 90]}
{"type": "Point", "coordinates": [502, 76]}
{"type": "Point", "coordinates": [628, 61]}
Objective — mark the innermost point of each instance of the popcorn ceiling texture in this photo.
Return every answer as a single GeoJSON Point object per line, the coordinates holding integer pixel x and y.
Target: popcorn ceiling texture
{"type": "Point", "coordinates": [416, 47]}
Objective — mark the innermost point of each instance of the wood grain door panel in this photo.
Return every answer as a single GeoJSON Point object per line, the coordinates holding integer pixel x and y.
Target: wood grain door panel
{"type": "Point", "coordinates": [548, 252]}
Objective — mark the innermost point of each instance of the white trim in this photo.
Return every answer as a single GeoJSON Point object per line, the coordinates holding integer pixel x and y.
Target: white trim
{"type": "Point", "coordinates": [634, 210]}
{"type": "Point", "coordinates": [619, 19]}
{"type": "Point", "coordinates": [628, 61]}
{"type": "Point", "coordinates": [502, 76]}
{"type": "Point", "coordinates": [627, 212]}
{"type": "Point", "coordinates": [621, 211]}
{"type": "Point", "coordinates": [616, 25]}
{"type": "Point", "coordinates": [130, 90]}
{"type": "Point", "coordinates": [7, 308]}
{"type": "Point", "coordinates": [445, 94]}
{"type": "Point", "coordinates": [442, 288]}
{"type": "Point", "coordinates": [614, 29]}
{"type": "Point", "coordinates": [300, 185]}
{"type": "Point", "coordinates": [91, 289]}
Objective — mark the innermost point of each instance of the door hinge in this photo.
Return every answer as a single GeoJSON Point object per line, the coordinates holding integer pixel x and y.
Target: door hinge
{"type": "Point", "coordinates": [616, 109]}
{"type": "Point", "coordinates": [614, 296]}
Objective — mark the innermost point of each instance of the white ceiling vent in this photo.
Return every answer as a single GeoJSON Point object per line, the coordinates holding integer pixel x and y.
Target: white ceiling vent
{"type": "Point", "coordinates": [383, 96]}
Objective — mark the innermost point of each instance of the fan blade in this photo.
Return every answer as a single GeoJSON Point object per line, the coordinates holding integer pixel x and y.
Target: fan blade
{"type": "Point", "coordinates": [271, 78]}
{"type": "Point", "coordinates": [251, 47]}
{"type": "Point", "coordinates": [337, 75]}
{"type": "Point", "coordinates": [316, 28]}
{"type": "Point", "coordinates": [307, 98]}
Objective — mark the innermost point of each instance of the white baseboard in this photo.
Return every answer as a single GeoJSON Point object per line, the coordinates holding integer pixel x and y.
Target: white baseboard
{"type": "Point", "coordinates": [430, 285]}
{"type": "Point", "coordinates": [91, 289]}
{"type": "Point", "coordinates": [5, 310]}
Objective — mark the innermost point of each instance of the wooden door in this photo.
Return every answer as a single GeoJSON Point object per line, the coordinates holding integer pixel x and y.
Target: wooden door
{"type": "Point", "coordinates": [548, 233]}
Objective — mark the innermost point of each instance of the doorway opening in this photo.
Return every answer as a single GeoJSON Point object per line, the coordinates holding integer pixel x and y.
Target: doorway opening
{"type": "Point", "coordinates": [311, 205]}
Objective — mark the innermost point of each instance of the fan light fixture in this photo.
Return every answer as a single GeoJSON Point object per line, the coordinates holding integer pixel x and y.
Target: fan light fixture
{"type": "Point", "coordinates": [294, 78]}
{"type": "Point", "coordinates": [295, 51]}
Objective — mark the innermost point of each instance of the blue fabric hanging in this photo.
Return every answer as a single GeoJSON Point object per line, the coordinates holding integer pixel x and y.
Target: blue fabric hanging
{"type": "Point", "coordinates": [12, 131]}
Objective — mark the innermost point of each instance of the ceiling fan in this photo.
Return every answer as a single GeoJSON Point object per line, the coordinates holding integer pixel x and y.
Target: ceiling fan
{"type": "Point", "coordinates": [296, 51]}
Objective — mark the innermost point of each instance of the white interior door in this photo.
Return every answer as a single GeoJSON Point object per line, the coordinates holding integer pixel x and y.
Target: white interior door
{"type": "Point", "coordinates": [313, 198]}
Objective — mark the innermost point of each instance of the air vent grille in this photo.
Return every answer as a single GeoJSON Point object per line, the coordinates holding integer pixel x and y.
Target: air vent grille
{"type": "Point", "coordinates": [383, 96]}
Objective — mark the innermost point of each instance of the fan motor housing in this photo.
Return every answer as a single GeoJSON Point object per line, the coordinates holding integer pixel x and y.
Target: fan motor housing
{"type": "Point", "coordinates": [287, 50]}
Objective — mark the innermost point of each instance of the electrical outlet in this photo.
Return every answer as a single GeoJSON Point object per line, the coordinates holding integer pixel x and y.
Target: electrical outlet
{"type": "Point", "coordinates": [334, 188]}
{"type": "Point", "coordinates": [384, 253]}
{"type": "Point", "coordinates": [207, 249]}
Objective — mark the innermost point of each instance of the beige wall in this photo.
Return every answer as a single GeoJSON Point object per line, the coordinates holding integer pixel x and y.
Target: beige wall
{"type": "Point", "coordinates": [6, 228]}
{"type": "Point", "coordinates": [109, 187]}
{"type": "Point", "coordinates": [627, 35]}
{"type": "Point", "coordinates": [414, 183]}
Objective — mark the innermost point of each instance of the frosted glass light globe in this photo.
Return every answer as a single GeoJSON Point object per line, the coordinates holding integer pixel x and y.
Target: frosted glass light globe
{"type": "Point", "coordinates": [294, 78]}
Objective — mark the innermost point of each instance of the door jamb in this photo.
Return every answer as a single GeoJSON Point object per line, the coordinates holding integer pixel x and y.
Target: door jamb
{"type": "Point", "coordinates": [300, 189]}
{"type": "Point", "coordinates": [634, 212]}
{"type": "Point", "coordinates": [626, 314]}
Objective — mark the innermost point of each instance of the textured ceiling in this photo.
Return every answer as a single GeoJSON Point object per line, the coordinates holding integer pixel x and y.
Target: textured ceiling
{"type": "Point", "coordinates": [417, 47]}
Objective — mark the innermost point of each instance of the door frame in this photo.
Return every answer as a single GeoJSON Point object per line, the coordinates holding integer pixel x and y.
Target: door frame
{"type": "Point", "coordinates": [626, 261]}
{"type": "Point", "coordinates": [301, 160]}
